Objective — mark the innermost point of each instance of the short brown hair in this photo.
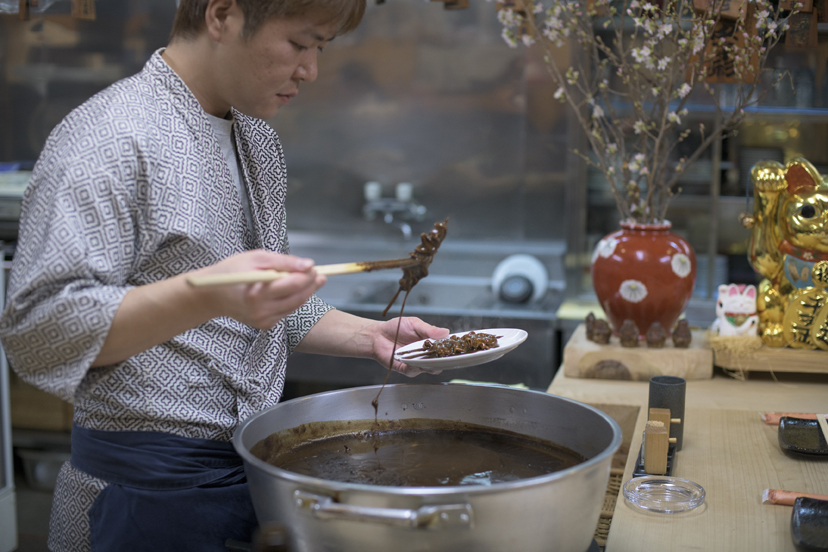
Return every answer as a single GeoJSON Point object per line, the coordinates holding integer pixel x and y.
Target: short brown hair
{"type": "Point", "coordinates": [189, 18]}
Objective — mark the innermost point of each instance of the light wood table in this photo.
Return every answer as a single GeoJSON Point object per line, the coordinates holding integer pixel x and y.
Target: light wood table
{"type": "Point", "coordinates": [728, 450]}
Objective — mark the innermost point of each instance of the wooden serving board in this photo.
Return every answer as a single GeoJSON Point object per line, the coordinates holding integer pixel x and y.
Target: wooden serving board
{"type": "Point", "coordinates": [583, 358]}
{"type": "Point", "coordinates": [734, 456]}
{"type": "Point", "coordinates": [762, 358]}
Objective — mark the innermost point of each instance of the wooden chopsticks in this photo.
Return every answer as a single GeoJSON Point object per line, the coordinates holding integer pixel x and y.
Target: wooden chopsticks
{"type": "Point", "coordinates": [786, 498]}
{"type": "Point", "coordinates": [270, 275]}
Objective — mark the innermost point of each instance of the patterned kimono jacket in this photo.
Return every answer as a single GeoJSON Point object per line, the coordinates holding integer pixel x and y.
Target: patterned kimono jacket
{"type": "Point", "coordinates": [131, 188]}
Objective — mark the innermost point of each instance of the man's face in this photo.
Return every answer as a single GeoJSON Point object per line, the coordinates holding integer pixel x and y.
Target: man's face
{"type": "Point", "coordinates": [262, 73]}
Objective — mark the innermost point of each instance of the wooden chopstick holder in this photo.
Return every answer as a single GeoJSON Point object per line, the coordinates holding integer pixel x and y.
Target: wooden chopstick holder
{"type": "Point", "coordinates": [254, 276]}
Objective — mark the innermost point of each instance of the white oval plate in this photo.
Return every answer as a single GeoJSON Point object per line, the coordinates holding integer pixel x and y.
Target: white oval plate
{"type": "Point", "coordinates": [508, 339]}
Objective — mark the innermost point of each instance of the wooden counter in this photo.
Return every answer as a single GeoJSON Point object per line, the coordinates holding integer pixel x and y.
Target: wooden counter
{"type": "Point", "coordinates": [729, 451]}
{"type": "Point", "coordinates": [761, 392]}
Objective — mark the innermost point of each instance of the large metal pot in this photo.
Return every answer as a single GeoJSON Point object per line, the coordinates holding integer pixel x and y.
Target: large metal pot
{"type": "Point", "coordinates": [558, 511]}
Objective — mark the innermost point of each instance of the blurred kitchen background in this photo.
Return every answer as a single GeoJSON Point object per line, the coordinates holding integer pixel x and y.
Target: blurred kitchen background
{"type": "Point", "coordinates": [422, 114]}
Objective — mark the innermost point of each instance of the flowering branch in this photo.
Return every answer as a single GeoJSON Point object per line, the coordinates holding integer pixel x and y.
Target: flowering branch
{"type": "Point", "coordinates": [643, 64]}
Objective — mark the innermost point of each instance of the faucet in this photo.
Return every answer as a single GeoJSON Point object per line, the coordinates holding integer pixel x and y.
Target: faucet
{"type": "Point", "coordinates": [396, 211]}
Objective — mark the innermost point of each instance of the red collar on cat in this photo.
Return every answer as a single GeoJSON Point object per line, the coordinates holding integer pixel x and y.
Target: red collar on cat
{"type": "Point", "coordinates": [811, 256]}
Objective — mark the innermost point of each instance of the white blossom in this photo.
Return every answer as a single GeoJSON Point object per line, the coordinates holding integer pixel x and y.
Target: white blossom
{"type": "Point", "coordinates": [668, 42]}
{"type": "Point", "coordinates": [698, 42]}
{"type": "Point", "coordinates": [640, 126]}
{"type": "Point", "coordinates": [636, 162]}
{"type": "Point", "coordinates": [508, 17]}
{"type": "Point", "coordinates": [509, 37]}
{"type": "Point", "coordinates": [641, 55]}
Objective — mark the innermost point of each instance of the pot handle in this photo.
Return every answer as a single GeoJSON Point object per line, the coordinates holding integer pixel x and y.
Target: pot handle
{"type": "Point", "coordinates": [425, 517]}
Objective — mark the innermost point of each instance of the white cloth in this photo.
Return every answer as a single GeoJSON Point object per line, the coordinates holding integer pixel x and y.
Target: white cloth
{"type": "Point", "coordinates": [223, 129]}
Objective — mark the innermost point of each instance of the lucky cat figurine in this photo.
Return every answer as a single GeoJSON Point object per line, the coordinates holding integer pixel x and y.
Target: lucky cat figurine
{"type": "Point", "coordinates": [789, 235]}
{"type": "Point", "coordinates": [736, 311]}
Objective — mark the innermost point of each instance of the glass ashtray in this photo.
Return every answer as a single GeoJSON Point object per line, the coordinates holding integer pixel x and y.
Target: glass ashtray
{"type": "Point", "coordinates": [664, 495]}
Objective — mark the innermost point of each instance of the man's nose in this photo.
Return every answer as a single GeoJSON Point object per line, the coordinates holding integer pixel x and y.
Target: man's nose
{"type": "Point", "coordinates": [308, 69]}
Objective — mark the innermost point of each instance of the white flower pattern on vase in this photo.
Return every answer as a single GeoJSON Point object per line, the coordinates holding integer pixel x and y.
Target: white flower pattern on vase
{"type": "Point", "coordinates": [681, 265]}
{"type": "Point", "coordinates": [633, 291]}
{"type": "Point", "coordinates": [605, 248]}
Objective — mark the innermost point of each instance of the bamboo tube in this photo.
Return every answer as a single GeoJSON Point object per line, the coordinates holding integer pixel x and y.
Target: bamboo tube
{"type": "Point", "coordinates": [254, 276]}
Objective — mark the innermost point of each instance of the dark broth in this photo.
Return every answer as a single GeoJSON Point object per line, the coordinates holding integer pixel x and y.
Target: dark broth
{"type": "Point", "coordinates": [446, 454]}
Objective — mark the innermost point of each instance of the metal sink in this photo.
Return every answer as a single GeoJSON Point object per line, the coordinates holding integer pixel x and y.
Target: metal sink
{"type": "Point", "coordinates": [460, 277]}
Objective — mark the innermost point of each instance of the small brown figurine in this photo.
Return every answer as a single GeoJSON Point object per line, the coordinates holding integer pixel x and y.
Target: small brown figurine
{"type": "Point", "coordinates": [656, 335]}
{"type": "Point", "coordinates": [628, 334]}
{"type": "Point", "coordinates": [590, 324]}
{"type": "Point", "coordinates": [601, 332]}
{"type": "Point", "coordinates": [681, 335]}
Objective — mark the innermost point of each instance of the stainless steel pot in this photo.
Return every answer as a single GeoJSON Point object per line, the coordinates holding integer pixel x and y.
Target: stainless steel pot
{"type": "Point", "coordinates": [558, 511]}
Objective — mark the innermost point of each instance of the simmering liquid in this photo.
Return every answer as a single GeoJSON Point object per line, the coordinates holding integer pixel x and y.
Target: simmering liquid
{"type": "Point", "coordinates": [457, 454]}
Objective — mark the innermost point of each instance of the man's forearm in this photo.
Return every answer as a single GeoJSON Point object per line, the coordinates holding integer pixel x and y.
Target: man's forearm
{"type": "Point", "coordinates": [150, 315]}
{"type": "Point", "coordinates": [341, 334]}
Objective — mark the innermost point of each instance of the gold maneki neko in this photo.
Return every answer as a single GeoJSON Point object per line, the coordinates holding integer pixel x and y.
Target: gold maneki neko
{"type": "Point", "coordinates": [789, 248]}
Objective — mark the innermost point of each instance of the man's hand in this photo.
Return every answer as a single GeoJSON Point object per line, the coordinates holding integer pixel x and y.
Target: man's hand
{"type": "Point", "coordinates": [342, 334]}
{"type": "Point", "coordinates": [154, 313]}
{"type": "Point", "coordinates": [411, 330]}
{"type": "Point", "coordinates": [262, 305]}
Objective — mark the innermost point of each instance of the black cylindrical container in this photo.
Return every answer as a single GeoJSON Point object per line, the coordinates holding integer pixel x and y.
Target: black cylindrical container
{"type": "Point", "coordinates": [669, 392]}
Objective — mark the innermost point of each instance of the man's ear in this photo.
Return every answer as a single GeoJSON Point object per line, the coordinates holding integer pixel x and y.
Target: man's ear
{"type": "Point", "coordinates": [216, 16]}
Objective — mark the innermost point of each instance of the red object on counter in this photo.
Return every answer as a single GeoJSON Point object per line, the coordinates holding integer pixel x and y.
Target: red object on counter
{"type": "Point", "coordinates": [644, 273]}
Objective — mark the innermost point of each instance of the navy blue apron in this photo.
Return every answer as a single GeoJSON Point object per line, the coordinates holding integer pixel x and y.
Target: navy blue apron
{"type": "Point", "coordinates": [165, 493]}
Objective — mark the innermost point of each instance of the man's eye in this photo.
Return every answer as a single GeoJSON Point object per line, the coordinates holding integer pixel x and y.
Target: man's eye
{"type": "Point", "coordinates": [299, 46]}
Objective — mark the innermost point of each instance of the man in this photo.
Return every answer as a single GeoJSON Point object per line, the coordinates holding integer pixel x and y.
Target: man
{"type": "Point", "coordinates": [168, 174]}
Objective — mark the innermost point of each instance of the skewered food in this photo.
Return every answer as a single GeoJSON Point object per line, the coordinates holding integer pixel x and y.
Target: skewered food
{"type": "Point", "coordinates": [455, 345]}
{"type": "Point", "coordinates": [424, 254]}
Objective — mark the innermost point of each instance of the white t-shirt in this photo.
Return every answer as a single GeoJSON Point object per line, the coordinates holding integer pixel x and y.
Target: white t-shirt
{"type": "Point", "coordinates": [223, 129]}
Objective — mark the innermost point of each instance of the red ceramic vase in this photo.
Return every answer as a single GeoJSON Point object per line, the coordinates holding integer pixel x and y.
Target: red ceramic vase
{"type": "Point", "coordinates": [644, 273]}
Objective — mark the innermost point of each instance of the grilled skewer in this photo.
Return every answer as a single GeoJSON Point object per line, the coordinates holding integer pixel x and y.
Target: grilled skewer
{"type": "Point", "coordinates": [454, 345]}
{"type": "Point", "coordinates": [415, 267]}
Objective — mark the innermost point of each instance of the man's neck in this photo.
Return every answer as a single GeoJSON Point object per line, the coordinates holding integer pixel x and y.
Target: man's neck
{"type": "Point", "coordinates": [188, 60]}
